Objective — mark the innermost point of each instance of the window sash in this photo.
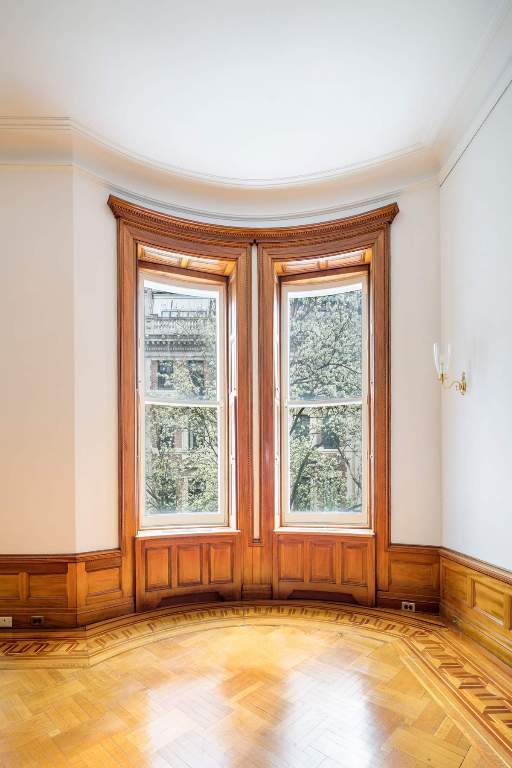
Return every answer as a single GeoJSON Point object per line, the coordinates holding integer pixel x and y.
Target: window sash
{"type": "Point", "coordinates": [185, 519]}
{"type": "Point", "coordinates": [313, 518]}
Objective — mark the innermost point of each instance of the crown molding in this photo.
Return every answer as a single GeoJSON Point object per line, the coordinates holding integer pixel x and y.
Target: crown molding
{"type": "Point", "coordinates": [489, 80]}
{"type": "Point", "coordinates": [79, 132]}
{"type": "Point", "coordinates": [56, 142]}
{"type": "Point", "coordinates": [62, 140]}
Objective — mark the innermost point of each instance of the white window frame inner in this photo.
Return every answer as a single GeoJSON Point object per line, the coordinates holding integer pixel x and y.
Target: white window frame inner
{"type": "Point", "coordinates": [316, 287]}
{"type": "Point", "coordinates": [186, 519]}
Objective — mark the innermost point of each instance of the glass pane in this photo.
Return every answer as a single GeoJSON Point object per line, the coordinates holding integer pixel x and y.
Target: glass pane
{"type": "Point", "coordinates": [182, 465]}
{"type": "Point", "coordinates": [326, 470]}
{"type": "Point", "coordinates": [325, 343]}
{"type": "Point", "coordinates": [180, 343]}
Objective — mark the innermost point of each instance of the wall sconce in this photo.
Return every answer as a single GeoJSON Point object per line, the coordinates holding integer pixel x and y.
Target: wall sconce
{"type": "Point", "coordinates": [442, 354]}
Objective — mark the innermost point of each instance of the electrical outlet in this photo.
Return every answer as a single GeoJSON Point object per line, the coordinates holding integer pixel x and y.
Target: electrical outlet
{"type": "Point", "coordinates": [37, 621]}
{"type": "Point", "coordinates": [5, 621]}
{"type": "Point", "coordinates": [408, 606]}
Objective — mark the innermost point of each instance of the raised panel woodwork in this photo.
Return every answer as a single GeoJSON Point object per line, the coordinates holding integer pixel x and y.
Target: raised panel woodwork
{"type": "Point", "coordinates": [291, 561]}
{"type": "Point", "coordinates": [220, 563]}
{"type": "Point", "coordinates": [65, 590]}
{"type": "Point", "coordinates": [412, 574]}
{"type": "Point", "coordinates": [190, 565]}
{"type": "Point", "coordinates": [489, 601]}
{"type": "Point", "coordinates": [322, 562]}
{"type": "Point", "coordinates": [158, 574]}
{"type": "Point", "coordinates": [103, 581]}
{"type": "Point", "coordinates": [354, 570]}
{"type": "Point", "coordinates": [407, 573]}
{"type": "Point", "coordinates": [9, 586]}
{"type": "Point", "coordinates": [477, 597]}
{"type": "Point", "coordinates": [330, 566]}
{"type": "Point", "coordinates": [47, 585]}
{"type": "Point", "coordinates": [454, 584]}
{"type": "Point", "coordinates": [180, 566]}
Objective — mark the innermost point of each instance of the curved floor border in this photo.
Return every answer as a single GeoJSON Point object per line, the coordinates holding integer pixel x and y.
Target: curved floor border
{"type": "Point", "coordinates": [477, 699]}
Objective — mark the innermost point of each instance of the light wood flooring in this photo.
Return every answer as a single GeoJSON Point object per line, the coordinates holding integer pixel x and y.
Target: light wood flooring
{"type": "Point", "coordinates": [252, 695]}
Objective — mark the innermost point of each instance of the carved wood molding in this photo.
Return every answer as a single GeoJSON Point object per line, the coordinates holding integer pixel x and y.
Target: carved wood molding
{"type": "Point", "coordinates": [361, 223]}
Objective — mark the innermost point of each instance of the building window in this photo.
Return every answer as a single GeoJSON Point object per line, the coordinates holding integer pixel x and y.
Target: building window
{"type": "Point", "coordinates": [324, 402]}
{"type": "Point", "coordinates": [182, 395]}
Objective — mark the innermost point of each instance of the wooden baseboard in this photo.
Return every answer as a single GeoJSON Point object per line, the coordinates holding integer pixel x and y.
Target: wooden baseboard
{"type": "Point", "coordinates": [423, 605]}
{"type": "Point", "coordinates": [477, 598]}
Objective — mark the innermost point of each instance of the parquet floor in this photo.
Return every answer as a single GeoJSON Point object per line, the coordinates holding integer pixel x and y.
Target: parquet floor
{"type": "Point", "coordinates": [255, 695]}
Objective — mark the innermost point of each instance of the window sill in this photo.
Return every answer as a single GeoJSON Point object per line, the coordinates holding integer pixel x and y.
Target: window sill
{"type": "Point", "coordinates": [333, 530]}
{"type": "Point", "coordinates": [155, 533]}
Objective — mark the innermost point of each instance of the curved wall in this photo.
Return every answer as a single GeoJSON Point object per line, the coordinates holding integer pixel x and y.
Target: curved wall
{"type": "Point", "coordinates": [59, 484]}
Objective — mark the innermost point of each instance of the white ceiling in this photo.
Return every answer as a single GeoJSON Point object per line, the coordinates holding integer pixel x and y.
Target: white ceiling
{"type": "Point", "coordinates": [246, 91]}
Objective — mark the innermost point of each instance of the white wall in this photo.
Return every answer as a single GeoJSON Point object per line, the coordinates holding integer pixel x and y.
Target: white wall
{"type": "Point", "coordinates": [95, 359]}
{"type": "Point", "coordinates": [67, 259]}
{"type": "Point", "coordinates": [415, 397]}
{"type": "Point", "coordinates": [37, 381]}
{"type": "Point", "coordinates": [476, 210]}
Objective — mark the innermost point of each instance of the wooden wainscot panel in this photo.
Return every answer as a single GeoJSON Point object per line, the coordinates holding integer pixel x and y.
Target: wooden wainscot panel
{"type": "Point", "coordinates": [63, 590]}
{"type": "Point", "coordinates": [328, 566]}
{"type": "Point", "coordinates": [412, 574]}
{"type": "Point", "coordinates": [190, 565]}
{"type": "Point", "coordinates": [104, 583]}
{"type": "Point", "coordinates": [354, 564]}
{"type": "Point", "coordinates": [455, 584]}
{"type": "Point", "coordinates": [220, 563]}
{"type": "Point", "coordinates": [477, 597]}
{"type": "Point", "coordinates": [322, 557]}
{"type": "Point", "coordinates": [489, 601]}
{"type": "Point", "coordinates": [47, 586]}
{"type": "Point", "coordinates": [9, 586]}
{"type": "Point", "coordinates": [291, 560]}
{"type": "Point", "coordinates": [36, 586]}
{"type": "Point", "coordinates": [180, 567]}
{"type": "Point", "coordinates": [158, 570]}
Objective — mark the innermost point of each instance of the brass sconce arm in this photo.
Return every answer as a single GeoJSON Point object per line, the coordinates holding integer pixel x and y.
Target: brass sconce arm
{"type": "Point", "coordinates": [459, 384]}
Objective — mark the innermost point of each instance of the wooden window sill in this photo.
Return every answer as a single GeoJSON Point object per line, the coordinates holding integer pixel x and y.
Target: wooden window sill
{"type": "Point", "coordinates": [154, 533]}
{"type": "Point", "coordinates": [336, 531]}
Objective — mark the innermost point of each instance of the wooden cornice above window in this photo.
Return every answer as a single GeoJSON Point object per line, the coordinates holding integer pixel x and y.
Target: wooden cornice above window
{"type": "Point", "coordinates": [157, 222]}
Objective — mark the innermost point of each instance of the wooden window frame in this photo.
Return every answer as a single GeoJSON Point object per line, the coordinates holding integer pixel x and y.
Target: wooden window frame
{"type": "Point", "coordinates": [368, 232]}
{"type": "Point", "coordinates": [144, 239]}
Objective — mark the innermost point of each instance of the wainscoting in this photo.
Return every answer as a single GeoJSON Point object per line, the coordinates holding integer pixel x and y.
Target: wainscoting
{"type": "Point", "coordinates": [477, 597]}
{"type": "Point", "coordinates": [410, 573]}
{"type": "Point", "coordinates": [178, 566]}
{"type": "Point", "coordinates": [333, 566]}
{"type": "Point", "coordinates": [64, 590]}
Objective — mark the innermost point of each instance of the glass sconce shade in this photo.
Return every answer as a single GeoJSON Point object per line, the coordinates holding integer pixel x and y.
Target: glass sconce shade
{"type": "Point", "coordinates": [442, 354]}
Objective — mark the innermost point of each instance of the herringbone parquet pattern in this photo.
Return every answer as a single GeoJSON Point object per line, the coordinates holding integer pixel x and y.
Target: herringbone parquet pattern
{"type": "Point", "coordinates": [253, 696]}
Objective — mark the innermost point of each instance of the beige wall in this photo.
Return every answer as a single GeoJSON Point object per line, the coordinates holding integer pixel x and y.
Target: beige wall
{"type": "Point", "coordinates": [95, 360]}
{"type": "Point", "coordinates": [415, 396]}
{"type": "Point", "coordinates": [37, 381]}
